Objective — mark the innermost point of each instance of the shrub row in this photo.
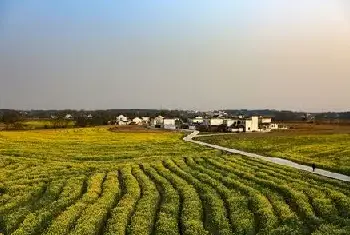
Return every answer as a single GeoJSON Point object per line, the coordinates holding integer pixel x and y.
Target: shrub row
{"type": "Point", "coordinates": [169, 209]}
{"type": "Point", "coordinates": [192, 211]}
{"type": "Point", "coordinates": [66, 220]}
{"type": "Point", "coordinates": [120, 215]}
{"type": "Point", "coordinates": [215, 218]}
{"type": "Point", "coordinates": [94, 217]}
{"type": "Point", "coordinates": [143, 218]}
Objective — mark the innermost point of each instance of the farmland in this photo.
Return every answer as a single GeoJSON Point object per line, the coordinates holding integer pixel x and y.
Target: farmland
{"type": "Point", "coordinates": [95, 181]}
{"type": "Point", "coordinates": [328, 151]}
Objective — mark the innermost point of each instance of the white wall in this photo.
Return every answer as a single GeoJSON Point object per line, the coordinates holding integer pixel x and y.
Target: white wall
{"type": "Point", "coordinates": [255, 123]}
{"type": "Point", "coordinates": [248, 125]}
{"type": "Point", "coordinates": [266, 120]}
{"type": "Point", "coordinates": [230, 122]}
{"type": "Point", "coordinates": [169, 122]}
{"type": "Point", "coordinates": [137, 120]}
{"type": "Point", "coordinates": [216, 121]}
{"type": "Point", "coordinates": [197, 120]}
{"type": "Point", "coordinates": [273, 126]}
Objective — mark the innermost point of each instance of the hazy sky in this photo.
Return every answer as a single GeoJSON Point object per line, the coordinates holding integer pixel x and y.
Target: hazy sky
{"type": "Point", "coordinates": [283, 54]}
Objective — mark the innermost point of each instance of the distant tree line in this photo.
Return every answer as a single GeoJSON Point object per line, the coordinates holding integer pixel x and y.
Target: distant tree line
{"type": "Point", "coordinates": [13, 119]}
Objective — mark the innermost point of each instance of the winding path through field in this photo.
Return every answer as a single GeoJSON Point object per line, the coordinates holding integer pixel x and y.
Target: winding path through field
{"type": "Point", "coordinates": [280, 161]}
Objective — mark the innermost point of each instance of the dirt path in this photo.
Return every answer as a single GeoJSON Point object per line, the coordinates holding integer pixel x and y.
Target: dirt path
{"type": "Point", "coordinates": [279, 161]}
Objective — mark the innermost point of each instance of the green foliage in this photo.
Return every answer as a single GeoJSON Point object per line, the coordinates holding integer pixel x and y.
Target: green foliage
{"type": "Point", "coordinates": [327, 151]}
{"type": "Point", "coordinates": [92, 181]}
{"type": "Point", "coordinates": [121, 214]}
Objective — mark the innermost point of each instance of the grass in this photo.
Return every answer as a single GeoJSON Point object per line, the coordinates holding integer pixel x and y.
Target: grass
{"type": "Point", "coordinates": [328, 151]}
{"type": "Point", "coordinates": [40, 124]}
{"type": "Point", "coordinates": [95, 144]}
{"type": "Point", "coordinates": [97, 181]}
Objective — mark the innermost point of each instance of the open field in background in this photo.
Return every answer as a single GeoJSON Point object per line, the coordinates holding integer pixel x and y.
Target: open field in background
{"type": "Point", "coordinates": [40, 124]}
{"type": "Point", "coordinates": [95, 181]}
{"type": "Point", "coordinates": [315, 128]}
{"type": "Point", "coordinates": [320, 146]}
{"type": "Point", "coordinates": [96, 144]}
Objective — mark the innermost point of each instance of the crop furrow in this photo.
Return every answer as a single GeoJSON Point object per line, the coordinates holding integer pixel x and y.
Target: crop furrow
{"type": "Point", "coordinates": [215, 213]}
{"type": "Point", "coordinates": [121, 214]}
{"type": "Point", "coordinates": [242, 219]}
{"type": "Point", "coordinates": [192, 211]}
{"type": "Point", "coordinates": [168, 217]}
{"type": "Point", "coordinates": [65, 222]}
{"type": "Point", "coordinates": [50, 193]}
{"type": "Point", "coordinates": [142, 221]}
{"type": "Point", "coordinates": [94, 217]}
{"type": "Point", "coordinates": [296, 199]}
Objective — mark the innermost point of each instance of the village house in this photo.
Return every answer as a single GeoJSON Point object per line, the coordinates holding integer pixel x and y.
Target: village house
{"type": "Point", "coordinates": [213, 121]}
{"type": "Point", "coordinates": [146, 120]}
{"type": "Point", "coordinates": [265, 120]}
{"type": "Point", "coordinates": [197, 120]}
{"type": "Point", "coordinates": [252, 124]}
{"type": "Point", "coordinates": [171, 123]}
{"type": "Point", "coordinates": [68, 117]}
{"type": "Point", "coordinates": [137, 121]}
{"type": "Point", "coordinates": [122, 120]}
{"type": "Point", "coordinates": [157, 122]}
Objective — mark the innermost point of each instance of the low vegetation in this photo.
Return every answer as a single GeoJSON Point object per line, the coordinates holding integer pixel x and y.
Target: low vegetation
{"type": "Point", "coordinates": [95, 181]}
{"type": "Point", "coordinates": [327, 151]}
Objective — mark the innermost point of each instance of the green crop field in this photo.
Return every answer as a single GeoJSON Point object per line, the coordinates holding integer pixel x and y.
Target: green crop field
{"type": "Point", "coordinates": [327, 151]}
{"type": "Point", "coordinates": [40, 124]}
{"type": "Point", "coordinates": [94, 181]}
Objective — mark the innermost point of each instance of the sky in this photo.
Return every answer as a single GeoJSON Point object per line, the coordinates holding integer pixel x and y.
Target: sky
{"type": "Point", "coordinates": [198, 54]}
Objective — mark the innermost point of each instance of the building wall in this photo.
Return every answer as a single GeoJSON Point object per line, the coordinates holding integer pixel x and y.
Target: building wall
{"type": "Point", "coordinates": [230, 122]}
{"type": "Point", "coordinates": [248, 125]}
{"type": "Point", "coordinates": [255, 123]}
{"type": "Point", "coordinates": [273, 126]}
{"type": "Point", "coordinates": [216, 121]}
{"type": "Point", "coordinates": [159, 121]}
{"type": "Point", "coordinates": [137, 120]}
{"type": "Point", "coordinates": [145, 119]}
{"type": "Point", "coordinates": [266, 120]}
{"type": "Point", "coordinates": [169, 122]}
{"type": "Point", "coordinates": [197, 120]}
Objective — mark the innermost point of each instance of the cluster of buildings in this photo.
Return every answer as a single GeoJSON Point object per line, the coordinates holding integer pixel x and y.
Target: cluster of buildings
{"type": "Point", "coordinates": [122, 120]}
{"type": "Point", "coordinates": [220, 123]}
{"type": "Point", "coordinates": [237, 124]}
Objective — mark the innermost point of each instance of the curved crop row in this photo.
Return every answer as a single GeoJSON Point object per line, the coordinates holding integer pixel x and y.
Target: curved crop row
{"type": "Point", "coordinates": [298, 199]}
{"type": "Point", "coordinates": [167, 219]}
{"type": "Point", "coordinates": [241, 218]}
{"type": "Point", "coordinates": [215, 219]}
{"type": "Point", "coordinates": [120, 215]}
{"type": "Point", "coordinates": [36, 223]}
{"type": "Point", "coordinates": [265, 218]}
{"type": "Point", "coordinates": [13, 220]}
{"type": "Point", "coordinates": [66, 220]}
{"type": "Point", "coordinates": [94, 217]}
{"type": "Point", "coordinates": [192, 211]}
{"type": "Point", "coordinates": [142, 221]}
{"type": "Point", "coordinates": [288, 173]}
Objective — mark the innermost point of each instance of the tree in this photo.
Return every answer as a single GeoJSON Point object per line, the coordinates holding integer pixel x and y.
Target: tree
{"type": "Point", "coordinates": [82, 122]}
{"type": "Point", "coordinates": [11, 118]}
{"type": "Point", "coordinates": [60, 121]}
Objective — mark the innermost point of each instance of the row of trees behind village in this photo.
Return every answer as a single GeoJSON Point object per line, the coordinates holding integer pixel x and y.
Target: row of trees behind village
{"type": "Point", "coordinates": [14, 119]}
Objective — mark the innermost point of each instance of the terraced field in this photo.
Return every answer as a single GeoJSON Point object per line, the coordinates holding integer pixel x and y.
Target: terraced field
{"type": "Point", "coordinates": [328, 151]}
{"type": "Point", "coordinates": [158, 185]}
